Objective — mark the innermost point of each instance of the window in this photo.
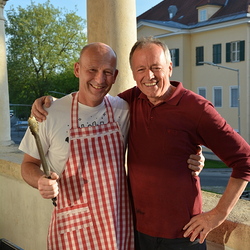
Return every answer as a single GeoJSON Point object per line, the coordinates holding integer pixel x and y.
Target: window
{"type": "Point", "coordinates": [175, 57]}
{"type": "Point", "coordinates": [199, 55]}
{"type": "Point", "coordinates": [202, 15]}
{"type": "Point", "coordinates": [218, 96]}
{"type": "Point", "coordinates": [217, 53]}
{"type": "Point", "coordinates": [202, 91]}
{"type": "Point", "coordinates": [234, 94]}
{"type": "Point", "coordinates": [235, 51]}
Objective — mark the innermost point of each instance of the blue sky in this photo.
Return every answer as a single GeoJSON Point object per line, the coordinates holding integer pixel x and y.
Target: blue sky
{"type": "Point", "coordinates": [141, 5]}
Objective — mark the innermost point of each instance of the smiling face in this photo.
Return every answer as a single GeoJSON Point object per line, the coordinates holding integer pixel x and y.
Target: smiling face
{"type": "Point", "coordinates": [97, 72]}
{"type": "Point", "coordinates": [151, 71]}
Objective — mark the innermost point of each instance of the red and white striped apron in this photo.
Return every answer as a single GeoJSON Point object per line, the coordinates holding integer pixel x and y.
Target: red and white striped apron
{"type": "Point", "coordinates": [93, 210]}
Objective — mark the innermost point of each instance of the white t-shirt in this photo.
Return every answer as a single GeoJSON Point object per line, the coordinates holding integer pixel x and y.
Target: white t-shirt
{"type": "Point", "coordinates": [54, 131]}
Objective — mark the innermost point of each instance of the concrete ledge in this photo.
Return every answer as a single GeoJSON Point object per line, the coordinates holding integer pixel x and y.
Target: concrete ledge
{"type": "Point", "coordinates": [232, 235]}
{"type": "Point", "coordinates": [11, 153]}
{"type": "Point", "coordinates": [235, 231]}
{"type": "Point", "coordinates": [25, 215]}
{"type": "Point", "coordinates": [10, 169]}
{"type": "Point", "coordinates": [22, 209]}
{"type": "Point", "coordinates": [10, 160]}
{"type": "Point", "coordinates": [240, 213]}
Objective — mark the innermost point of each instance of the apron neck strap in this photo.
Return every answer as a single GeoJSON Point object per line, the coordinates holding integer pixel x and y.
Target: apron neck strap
{"type": "Point", "coordinates": [109, 110]}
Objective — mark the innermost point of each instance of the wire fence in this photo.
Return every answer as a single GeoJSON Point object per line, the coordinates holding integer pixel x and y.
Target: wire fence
{"type": "Point", "coordinates": [20, 111]}
{"type": "Point", "coordinates": [19, 114]}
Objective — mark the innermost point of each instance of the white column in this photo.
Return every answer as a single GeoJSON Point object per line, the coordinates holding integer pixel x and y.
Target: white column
{"type": "Point", "coordinates": [4, 91]}
{"type": "Point", "coordinates": [114, 23]}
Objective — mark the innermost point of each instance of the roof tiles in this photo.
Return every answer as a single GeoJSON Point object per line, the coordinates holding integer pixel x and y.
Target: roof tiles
{"type": "Point", "coordinates": [187, 12]}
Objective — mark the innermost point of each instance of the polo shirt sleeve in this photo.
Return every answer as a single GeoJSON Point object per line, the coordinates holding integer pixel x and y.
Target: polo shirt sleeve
{"type": "Point", "coordinates": [129, 94]}
{"type": "Point", "coordinates": [225, 142]}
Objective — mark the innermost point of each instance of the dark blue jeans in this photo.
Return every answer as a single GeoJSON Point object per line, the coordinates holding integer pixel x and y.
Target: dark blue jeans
{"type": "Point", "coordinates": [146, 242]}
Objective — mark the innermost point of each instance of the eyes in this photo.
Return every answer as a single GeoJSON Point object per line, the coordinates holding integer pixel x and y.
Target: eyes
{"type": "Point", "coordinates": [105, 72]}
{"type": "Point", "coordinates": [154, 69]}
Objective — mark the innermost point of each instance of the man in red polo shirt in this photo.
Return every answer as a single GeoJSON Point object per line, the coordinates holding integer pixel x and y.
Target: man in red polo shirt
{"type": "Point", "coordinates": [167, 122]}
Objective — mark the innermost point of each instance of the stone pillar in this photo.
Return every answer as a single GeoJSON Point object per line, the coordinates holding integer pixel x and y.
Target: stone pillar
{"type": "Point", "coordinates": [4, 92]}
{"type": "Point", "coordinates": [114, 22]}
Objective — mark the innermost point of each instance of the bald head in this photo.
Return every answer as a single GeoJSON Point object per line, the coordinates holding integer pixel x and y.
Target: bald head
{"type": "Point", "coordinates": [98, 48]}
{"type": "Point", "coordinates": [96, 70]}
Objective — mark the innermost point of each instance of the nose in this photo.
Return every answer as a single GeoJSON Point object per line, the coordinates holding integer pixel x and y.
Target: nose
{"type": "Point", "coordinates": [149, 74]}
{"type": "Point", "coordinates": [100, 77]}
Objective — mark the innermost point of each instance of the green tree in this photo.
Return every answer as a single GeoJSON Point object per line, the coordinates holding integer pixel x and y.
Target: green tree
{"type": "Point", "coordinates": [43, 42]}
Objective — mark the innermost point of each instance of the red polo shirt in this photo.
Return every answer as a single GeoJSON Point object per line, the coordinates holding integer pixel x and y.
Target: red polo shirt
{"type": "Point", "coordinates": [161, 138]}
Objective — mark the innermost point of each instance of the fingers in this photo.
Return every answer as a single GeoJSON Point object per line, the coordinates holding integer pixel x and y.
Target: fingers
{"type": "Point", "coordinates": [195, 230]}
{"type": "Point", "coordinates": [48, 188]}
{"type": "Point", "coordinates": [199, 153]}
{"type": "Point", "coordinates": [37, 109]}
{"type": "Point", "coordinates": [198, 233]}
{"type": "Point", "coordinates": [199, 150]}
{"type": "Point", "coordinates": [54, 176]}
{"type": "Point", "coordinates": [196, 173]}
{"type": "Point", "coordinates": [200, 225]}
{"type": "Point", "coordinates": [197, 159]}
{"type": "Point", "coordinates": [48, 101]}
{"type": "Point", "coordinates": [195, 164]}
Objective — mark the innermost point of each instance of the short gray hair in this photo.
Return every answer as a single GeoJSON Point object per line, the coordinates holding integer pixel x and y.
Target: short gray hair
{"type": "Point", "coordinates": [145, 41]}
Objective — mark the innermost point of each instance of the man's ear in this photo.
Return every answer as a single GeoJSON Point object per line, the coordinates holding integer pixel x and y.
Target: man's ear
{"type": "Point", "coordinates": [170, 69]}
{"type": "Point", "coordinates": [76, 69]}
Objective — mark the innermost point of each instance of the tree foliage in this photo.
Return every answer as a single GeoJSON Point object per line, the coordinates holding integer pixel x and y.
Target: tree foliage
{"type": "Point", "coordinates": [43, 42]}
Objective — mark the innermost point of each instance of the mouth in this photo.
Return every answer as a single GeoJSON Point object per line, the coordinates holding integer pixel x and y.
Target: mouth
{"type": "Point", "coordinates": [150, 84]}
{"type": "Point", "coordinates": [96, 86]}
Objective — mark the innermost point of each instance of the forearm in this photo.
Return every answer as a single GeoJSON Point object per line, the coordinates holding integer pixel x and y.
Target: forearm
{"type": "Point", "coordinates": [34, 176]}
{"type": "Point", "coordinates": [203, 223]}
{"type": "Point", "coordinates": [31, 172]}
{"type": "Point", "coordinates": [231, 195]}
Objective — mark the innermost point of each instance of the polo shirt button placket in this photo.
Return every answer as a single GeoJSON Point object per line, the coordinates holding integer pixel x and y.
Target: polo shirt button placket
{"type": "Point", "coordinates": [151, 115]}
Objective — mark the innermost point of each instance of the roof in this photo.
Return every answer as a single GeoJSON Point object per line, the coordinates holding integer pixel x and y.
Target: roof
{"type": "Point", "coordinates": [212, 2]}
{"type": "Point", "coordinates": [187, 12]}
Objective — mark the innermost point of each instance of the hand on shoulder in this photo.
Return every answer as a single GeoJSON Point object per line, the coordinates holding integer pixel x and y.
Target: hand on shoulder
{"type": "Point", "coordinates": [38, 110]}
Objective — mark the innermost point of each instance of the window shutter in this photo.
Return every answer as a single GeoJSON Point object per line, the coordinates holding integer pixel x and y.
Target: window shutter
{"type": "Point", "coordinates": [228, 52]}
{"type": "Point", "coordinates": [199, 55]}
{"type": "Point", "coordinates": [177, 57]}
{"type": "Point", "coordinates": [242, 50]}
{"type": "Point", "coordinates": [217, 53]}
{"type": "Point", "coordinates": [202, 54]}
{"type": "Point", "coordinates": [214, 54]}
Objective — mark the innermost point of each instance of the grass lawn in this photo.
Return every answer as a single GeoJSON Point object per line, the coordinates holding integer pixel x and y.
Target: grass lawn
{"type": "Point", "coordinates": [219, 164]}
{"type": "Point", "coordinates": [214, 164]}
